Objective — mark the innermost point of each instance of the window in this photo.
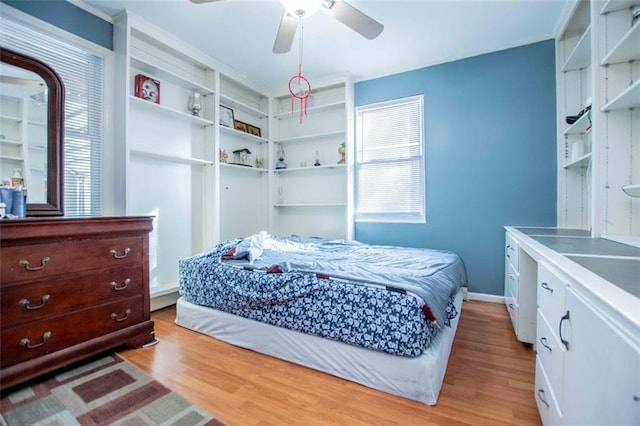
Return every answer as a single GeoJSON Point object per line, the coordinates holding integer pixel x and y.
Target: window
{"type": "Point", "coordinates": [83, 76]}
{"type": "Point", "coordinates": [389, 174]}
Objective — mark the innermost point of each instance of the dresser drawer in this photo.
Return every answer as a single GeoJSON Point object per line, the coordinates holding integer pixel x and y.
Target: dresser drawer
{"type": "Point", "coordinates": [34, 339]}
{"type": "Point", "coordinates": [38, 261]}
{"type": "Point", "coordinates": [551, 355]}
{"type": "Point", "coordinates": [29, 302]}
{"type": "Point", "coordinates": [550, 294]}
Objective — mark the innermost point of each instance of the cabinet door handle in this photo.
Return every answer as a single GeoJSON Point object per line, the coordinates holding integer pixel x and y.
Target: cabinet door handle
{"type": "Point", "coordinates": [564, 342]}
{"type": "Point", "coordinates": [114, 316]}
{"type": "Point", "coordinates": [512, 277]}
{"type": "Point", "coordinates": [43, 262]}
{"type": "Point", "coordinates": [26, 304]}
{"type": "Point", "coordinates": [543, 342]}
{"type": "Point", "coordinates": [115, 254]}
{"type": "Point", "coordinates": [114, 285]}
{"type": "Point", "coordinates": [541, 397]}
{"type": "Point", "coordinates": [546, 287]}
{"type": "Point", "coordinates": [507, 250]}
{"type": "Point", "coordinates": [27, 343]}
{"type": "Point", "coordinates": [512, 306]}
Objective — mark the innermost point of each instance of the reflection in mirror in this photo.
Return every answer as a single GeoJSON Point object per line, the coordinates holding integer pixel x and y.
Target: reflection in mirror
{"type": "Point", "coordinates": [31, 133]}
{"type": "Point", "coordinates": [23, 131]}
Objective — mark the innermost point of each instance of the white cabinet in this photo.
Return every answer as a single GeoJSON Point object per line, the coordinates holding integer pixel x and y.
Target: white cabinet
{"type": "Point", "coordinates": [243, 176]}
{"type": "Point", "coordinates": [310, 195]}
{"type": "Point", "coordinates": [164, 153]}
{"type": "Point", "coordinates": [519, 290]}
{"type": "Point", "coordinates": [587, 363]}
{"type": "Point", "coordinates": [602, 367]}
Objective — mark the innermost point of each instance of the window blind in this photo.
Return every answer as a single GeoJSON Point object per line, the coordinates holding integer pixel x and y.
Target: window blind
{"type": "Point", "coordinates": [83, 76]}
{"type": "Point", "coordinates": [390, 161]}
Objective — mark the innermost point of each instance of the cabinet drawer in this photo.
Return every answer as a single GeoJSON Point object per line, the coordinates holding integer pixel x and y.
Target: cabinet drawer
{"type": "Point", "coordinates": [511, 251]}
{"type": "Point", "coordinates": [550, 294]}
{"type": "Point", "coordinates": [545, 398]}
{"type": "Point", "coordinates": [511, 281]}
{"type": "Point", "coordinates": [31, 302]}
{"type": "Point", "coordinates": [551, 354]}
{"type": "Point", "coordinates": [34, 339]}
{"type": "Point", "coordinates": [38, 261]}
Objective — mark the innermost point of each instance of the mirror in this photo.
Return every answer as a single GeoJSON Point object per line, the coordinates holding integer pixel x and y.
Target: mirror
{"type": "Point", "coordinates": [31, 131]}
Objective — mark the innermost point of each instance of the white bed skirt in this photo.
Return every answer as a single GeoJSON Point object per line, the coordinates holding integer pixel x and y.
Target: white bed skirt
{"type": "Point", "coordinates": [418, 378]}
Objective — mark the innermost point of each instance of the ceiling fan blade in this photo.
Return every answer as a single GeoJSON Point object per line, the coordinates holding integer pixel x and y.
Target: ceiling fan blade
{"type": "Point", "coordinates": [202, 1]}
{"type": "Point", "coordinates": [286, 33]}
{"type": "Point", "coordinates": [363, 24]}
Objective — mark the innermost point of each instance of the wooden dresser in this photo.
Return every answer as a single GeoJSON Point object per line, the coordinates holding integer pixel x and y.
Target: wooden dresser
{"type": "Point", "coordinates": [69, 289]}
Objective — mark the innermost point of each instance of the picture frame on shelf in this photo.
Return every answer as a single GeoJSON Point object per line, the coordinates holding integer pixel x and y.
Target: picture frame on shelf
{"type": "Point", "coordinates": [241, 126]}
{"type": "Point", "coordinates": [253, 130]}
{"type": "Point", "coordinates": [226, 116]}
{"type": "Point", "coordinates": [147, 88]}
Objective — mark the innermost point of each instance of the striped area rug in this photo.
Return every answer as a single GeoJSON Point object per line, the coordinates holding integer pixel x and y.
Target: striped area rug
{"type": "Point", "coordinates": [105, 391]}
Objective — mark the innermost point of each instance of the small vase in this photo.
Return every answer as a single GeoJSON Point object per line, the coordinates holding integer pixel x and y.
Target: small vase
{"type": "Point", "coordinates": [195, 103]}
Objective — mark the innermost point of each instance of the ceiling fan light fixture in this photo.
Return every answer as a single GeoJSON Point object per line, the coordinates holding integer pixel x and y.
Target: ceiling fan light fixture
{"type": "Point", "coordinates": [302, 8]}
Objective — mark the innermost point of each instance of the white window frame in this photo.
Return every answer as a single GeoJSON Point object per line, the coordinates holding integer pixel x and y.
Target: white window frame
{"type": "Point", "coordinates": [414, 211]}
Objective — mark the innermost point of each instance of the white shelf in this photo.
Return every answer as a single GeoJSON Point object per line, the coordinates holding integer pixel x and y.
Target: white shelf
{"type": "Point", "coordinates": [162, 74]}
{"type": "Point", "coordinates": [327, 135]}
{"type": "Point", "coordinates": [627, 49]}
{"type": "Point", "coordinates": [579, 127]}
{"type": "Point", "coordinates": [10, 157]}
{"type": "Point", "coordinates": [239, 167]}
{"type": "Point", "coordinates": [613, 5]}
{"type": "Point", "coordinates": [632, 190]}
{"type": "Point", "coordinates": [36, 123]}
{"type": "Point", "coordinates": [310, 205]}
{"type": "Point", "coordinates": [296, 113]}
{"type": "Point", "coordinates": [580, 162]}
{"type": "Point", "coordinates": [629, 98]}
{"type": "Point", "coordinates": [10, 118]}
{"type": "Point", "coordinates": [244, 135]}
{"type": "Point", "coordinates": [37, 147]}
{"type": "Point", "coordinates": [237, 105]}
{"type": "Point", "coordinates": [309, 168]}
{"type": "Point", "coordinates": [172, 158]}
{"type": "Point", "coordinates": [580, 57]}
{"type": "Point", "coordinates": [10, 142]}
{"type": "Point", "coordinates": [159, 107]}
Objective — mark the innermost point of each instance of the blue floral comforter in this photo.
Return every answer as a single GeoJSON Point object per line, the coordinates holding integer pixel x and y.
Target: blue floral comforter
{"type": "Point", "coordinates": [383, 298]}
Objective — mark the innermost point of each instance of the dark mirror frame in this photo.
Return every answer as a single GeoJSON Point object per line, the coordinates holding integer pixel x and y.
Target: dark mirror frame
{"type": "Point", "coordinates": [55, 132]}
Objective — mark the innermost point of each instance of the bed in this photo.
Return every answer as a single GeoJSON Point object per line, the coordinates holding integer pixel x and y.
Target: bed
{"type": "Point", "coordinates": [381, 316]}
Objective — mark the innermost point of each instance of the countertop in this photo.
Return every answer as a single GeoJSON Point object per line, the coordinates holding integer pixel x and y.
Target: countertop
{"type": "Point", "coordinates": [615, 262]}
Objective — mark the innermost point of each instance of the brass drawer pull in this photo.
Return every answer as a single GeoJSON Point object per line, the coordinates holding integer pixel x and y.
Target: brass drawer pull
{"type": "Point", "coordinates": [27, 343]}
{"type": "Point", "coordinates": [115, 254]}
{"type": "Point", "coordinates": [43, 262]}
{"type": "Point", "coordinates": [114, 316]}
{"type": "Point", "coordinates": [26, 304]}
{"type": "Point", "coordinates": [114, 285]}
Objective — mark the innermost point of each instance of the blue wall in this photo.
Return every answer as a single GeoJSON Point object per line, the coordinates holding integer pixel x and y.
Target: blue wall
{"type": "Point", "coordinates": [69, 17]}
{"type": "Point", "coordinates": [490, 140]}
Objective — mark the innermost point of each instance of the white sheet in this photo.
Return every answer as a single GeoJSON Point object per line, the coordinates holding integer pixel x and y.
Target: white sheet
{"type": "Point", "coordinates": [418, 378]}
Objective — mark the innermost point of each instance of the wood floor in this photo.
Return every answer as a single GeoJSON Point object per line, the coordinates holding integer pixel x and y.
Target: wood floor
{"type": "Point", "coordinates": [489, 380]}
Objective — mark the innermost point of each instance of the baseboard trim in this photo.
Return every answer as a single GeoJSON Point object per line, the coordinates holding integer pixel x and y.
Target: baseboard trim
{"type": "Point", "coordinates": [164, 300]}
{"type": "Point", "coordinates": [482, 297]}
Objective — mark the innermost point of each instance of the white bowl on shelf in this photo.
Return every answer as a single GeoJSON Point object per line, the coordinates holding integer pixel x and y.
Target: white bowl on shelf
{"type": "Point", "coordinates": [632, 190]}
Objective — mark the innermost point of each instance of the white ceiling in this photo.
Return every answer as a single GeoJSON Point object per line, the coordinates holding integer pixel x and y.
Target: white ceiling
{"type": "Point", "coordinates": [240, 34]}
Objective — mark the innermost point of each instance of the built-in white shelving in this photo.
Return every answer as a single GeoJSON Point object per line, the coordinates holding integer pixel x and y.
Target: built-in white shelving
{"type": "Point", "coordinates": [580, 162]}
{"type": "Point", "coordinates": [171, 158]}
{"type": "Point", "coordinates": [627, 48]}
{"type": "Point", "coordinates": [615, 5]}
{"type": "Point", "coordinates": [243, 135]}
{"type": "Point", "coordinates": [581, 126]}
{"type": "Point", "coordinates": [166, 110]}
{"type": "Point", "coordinates": [154, 71]}
{"type": "Point", "coordinates": [315, 136]}
{"type": "Point", "coordinates": [309, 168]}
{"type": "Point", "coordinates": [310, 110]}
{"type": "Point", "coordinates": [629, 98]}
{"type": "Point", "coordinates": [580, 57]}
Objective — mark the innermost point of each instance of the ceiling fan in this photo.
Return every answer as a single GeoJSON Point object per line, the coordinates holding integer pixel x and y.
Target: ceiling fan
{"type": "Point", "coordinates": [295, 10]}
